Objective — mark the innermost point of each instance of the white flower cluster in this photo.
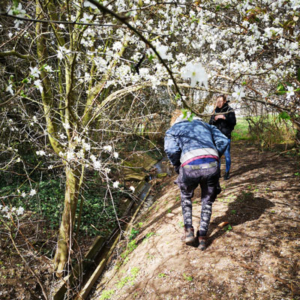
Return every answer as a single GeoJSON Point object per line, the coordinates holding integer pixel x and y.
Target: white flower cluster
{"type": "Point", "coordinates": [238, 93]}
{"type": "Point", "coordinates": [96, 163]}
{"type": "Point", "coordinates": [17, 11]}
{"type": "Point", "coordinates": [116, 184]}
{"type": "Point", "coordinates": [196, 72]}
{"type": "Point", "coordinates": [35, 72]}
{"type": "Point", "coordinates": [41, 153]}
{"type": "Point", "coordinates": [9, 212]}
{"type": "Point", "coordinates": [62, 52]}
{"type": "Point", "coordinates": [89, 4]}
{"type": "Point", "coordinates": [197, 41]}
{"type": "Point", "coordinates": [107, 148]}
{"type": "Point", "coordinates": [10, 89]}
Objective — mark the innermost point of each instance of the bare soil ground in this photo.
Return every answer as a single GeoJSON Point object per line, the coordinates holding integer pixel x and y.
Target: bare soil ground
{"type": "Point", "coordinates": [255, 256]}
{"type": "Point", "coordinates": [17, 279]}
{"type": "Point", "coordinates": [36, 243]}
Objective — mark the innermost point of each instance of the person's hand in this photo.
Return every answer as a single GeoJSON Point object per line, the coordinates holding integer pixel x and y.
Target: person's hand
{"type": "Point", "coordinates": [220, 117]}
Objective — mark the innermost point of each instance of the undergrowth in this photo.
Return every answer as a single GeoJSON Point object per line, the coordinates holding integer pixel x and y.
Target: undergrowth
{"type": "Point", "coordinates": [267, 130]}
{"type": "Point", "coordinates": [98, 215]}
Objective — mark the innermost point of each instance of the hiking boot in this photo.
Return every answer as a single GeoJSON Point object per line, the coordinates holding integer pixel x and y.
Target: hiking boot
{"type": "Point", "coordinates": [226, 176]}
{"type": "Point", "coordinates": [188, 237]}
{"type": "Point", "coordinates": [202, 243]}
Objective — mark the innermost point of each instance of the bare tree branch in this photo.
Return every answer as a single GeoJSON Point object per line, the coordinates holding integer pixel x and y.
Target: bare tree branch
{"type": "Point", "coordinates": [17, 54]}
{"type": "Point", "coordinates": [57, 22]}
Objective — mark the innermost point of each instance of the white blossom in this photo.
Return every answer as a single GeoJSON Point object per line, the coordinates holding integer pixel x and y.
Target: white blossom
{"type": "Point", "coordinates": [144, 72]}
{"type": "Point", "coordinates": [32, 192]}
{"type": "Point", "coordinates": [170, 82]}
{"type": "Point", "coordinates": [19, 11]}
{"type": "Point", "coordinates": [97, 165]}
{"type": "Point", "coordinates": [132, 188]}
{"type": "Point", "coordinates": [23, 194]}
{"type": "Point", "coordinates": [116, 154]}
{"type": "Point", "coordinates": [196, 72]}
{"type": "Point", "coordinates": [20, 211]}
{"type": "Point", "coordinates": [116, 184]}
{"type": "Point", "coordinates": [238, 93]}
{"type": "Point", "coordinates": [8, 216]}
{"type": "Point", "coordinates": [9, 89]}
{"type": "Point", "coordinates": [179, 103]}
{"type": "Point", "coordinates": [89, 4]}
{"type": "Point", "coordinates": [295, 4]}
{"type": "Point", "coordinates": [80, 153]}
{"type": "Point", "coordinates": [62, 51]}
{"type": "Point", "coordinates": [41, 153]}
{"type": "Point", "coordinates": [48, 68]}
{"type": "Point", "coordinates": [107, 148]}
{"type": "Point", "coordinates": [38, 84]}
{"type": "Point", "coordinates": [77, 138]}
{"type": "Point", "coordinates": [35, 72]}
{"type": "Point", "coordinates": [70, 155]}
{"type": "Point", "coordinates": [5, 209]}
{"type": "Point", "coordinates": [117, 46]}
{"type": "Point", "coordinates": [86, 146]}
{"type": "Point", "coordinates": [60, 54]}
{"type": "Point", "coordinates": [86, 18]}
{"type": "Point", "coordinates": [93, 158]}
{"type": "Point", "coordinates": [66, 126]}
{"type": "Point", "coordinates": [290, 92]}
{"type": "Point", "coordinates": [162, 51]}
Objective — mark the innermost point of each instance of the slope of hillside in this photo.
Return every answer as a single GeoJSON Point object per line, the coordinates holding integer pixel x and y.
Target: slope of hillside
{"type": "Point", "coordinates": [255, 256]}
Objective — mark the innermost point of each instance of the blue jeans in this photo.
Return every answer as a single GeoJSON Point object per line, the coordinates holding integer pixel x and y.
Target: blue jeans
{"type": "Point", "coordinates": [227, 158]}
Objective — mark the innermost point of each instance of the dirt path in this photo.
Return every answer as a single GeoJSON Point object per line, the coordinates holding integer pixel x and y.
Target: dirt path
{"type": "Point", "coordinates": [256, 257]}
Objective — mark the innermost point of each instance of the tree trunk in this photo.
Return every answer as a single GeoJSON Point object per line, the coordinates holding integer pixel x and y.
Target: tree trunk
{"type": "Point", "coordinates": [66, 227]}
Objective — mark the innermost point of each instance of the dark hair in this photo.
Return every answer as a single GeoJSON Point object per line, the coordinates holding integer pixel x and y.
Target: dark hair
{"type": "Point", "coordinates": [222, 96]}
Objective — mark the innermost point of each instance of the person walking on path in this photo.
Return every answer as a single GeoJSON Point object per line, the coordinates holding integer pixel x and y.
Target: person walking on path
{"type": "Point", "coordinates": [194, 148]}
{"type": "Point", "coordinates": [224, 119]}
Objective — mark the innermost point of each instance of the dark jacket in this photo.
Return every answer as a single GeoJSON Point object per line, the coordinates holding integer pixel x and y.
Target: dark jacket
{"type": "Point", "coordinates": [225, 126]}
{"type": "Point", "coordinates": [185, 140]}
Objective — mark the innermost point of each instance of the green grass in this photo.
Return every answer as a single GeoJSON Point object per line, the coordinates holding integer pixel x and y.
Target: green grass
{"type": "Point", "coordinates": [148, 235]}
{"type": "Point", "coordinates": [130, 247]}
{"type": "Point", "coordinates": [106, 295]}
{"type": "Point", "coordinates": [240, 132]}
{"type": "Point", "coordinates": [276, 130]}
{"type": "Point", "coordinates": [128, 279]}
{"type": "Point", "coordinates": [181, 224]}
{"type": "Point", "coordinates": [134, 232]}
{"type": "Point", "coordinates": [187, 277]}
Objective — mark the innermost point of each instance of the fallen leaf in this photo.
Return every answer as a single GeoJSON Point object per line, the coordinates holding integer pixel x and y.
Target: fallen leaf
{"type": "Point", "coordinates": [223, 224]}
